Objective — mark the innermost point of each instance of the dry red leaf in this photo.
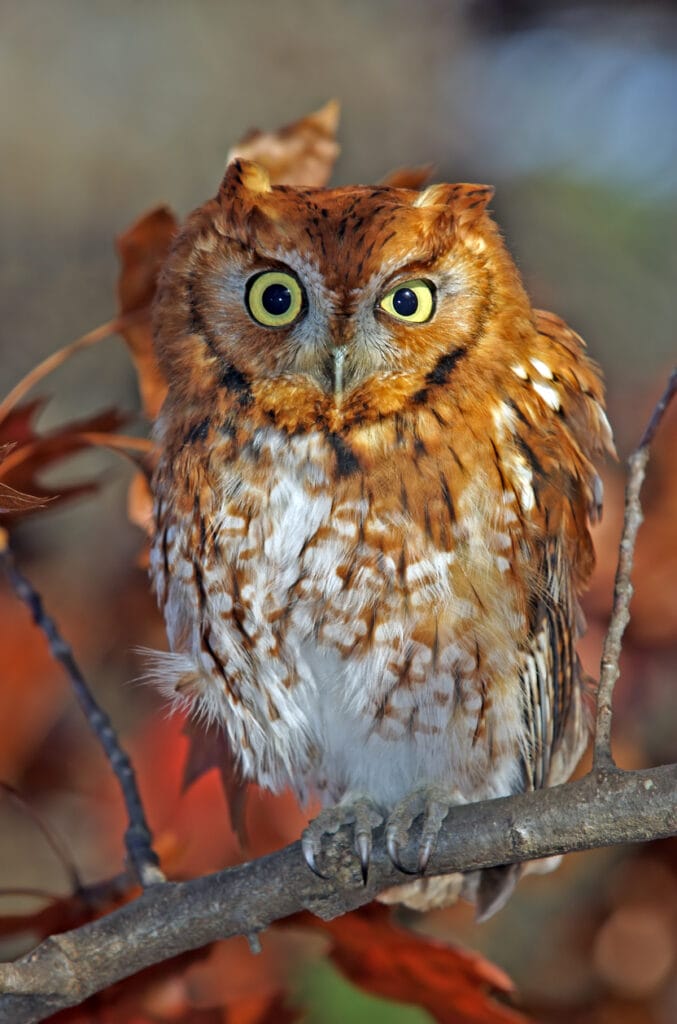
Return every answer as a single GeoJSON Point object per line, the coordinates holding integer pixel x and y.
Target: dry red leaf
{"type": "Point", "coordinates": [142, 250]}
{"type": "Point", "coordinates": [24, 452]}
{"type": "Point", "coordinates": [17, 426]}
{"type": "Point", "coordinates": [264, 1010]}
{"type": "Point", "coordinates": [195, 823]}
{"type": "Point", "coordinates": [252, 988]}
{"type": "Point", "coordinates": [301, 153]}
{"type": "Point", "coordinates": [455, 986]}
{"type": "Point", "coordinates": [209, 749]}
{"type": "Point", "coordinates": [31, 453]}
{"type": "Point", "coordinates": [12, 500]}
{"type": "Point", "coordinates": [140, 512]}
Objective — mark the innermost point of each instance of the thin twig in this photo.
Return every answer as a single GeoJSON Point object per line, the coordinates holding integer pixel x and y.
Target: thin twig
{"type": "Point", "coordinates": [138, 838]}
{"type": "Point", "coordinates": [55, 359]}
{"type": "Point", "coordinates": [623, 590]}
{"type": "Point", "coordinates": [659, 411]}
{"type": "Point", "coordinates": [51, 837]}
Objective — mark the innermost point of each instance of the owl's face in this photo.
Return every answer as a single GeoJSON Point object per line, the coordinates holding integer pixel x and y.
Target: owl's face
{"type": "Point", "coordinates": [332, 305]}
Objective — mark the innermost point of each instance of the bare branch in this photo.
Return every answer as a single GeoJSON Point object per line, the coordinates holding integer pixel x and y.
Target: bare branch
{"type": "Point", "coordinates": [604, 808]}
{"type": "Point", "coordinates": [623, 590]}
{"type": "Point", "coordinates": [659, 411]}
{"type": "Point", "coordinates": [138, 838]}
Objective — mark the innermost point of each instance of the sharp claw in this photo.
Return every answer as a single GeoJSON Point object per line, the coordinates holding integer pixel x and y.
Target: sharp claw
{"type": "Point", "coordinates": [394, 854]}
{"type": "Point", "coordinates": [424, 855]}
{"type": "Point", "coordinates": [309, 855]}
{"type": "Point", "coordinates": [363, 848]}
{"type": "Point", "coordinates": [393, 851]}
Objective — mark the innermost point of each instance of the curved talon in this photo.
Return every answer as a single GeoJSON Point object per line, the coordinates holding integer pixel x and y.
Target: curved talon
{"type": "Point", "coordinates": [363, 849]}
{"type": "Point", "coordinates": [309, 857]}
{"type": "Point", "coordinates": [424, 855]}
{"type": "Point", "coordinates": [394, 854]}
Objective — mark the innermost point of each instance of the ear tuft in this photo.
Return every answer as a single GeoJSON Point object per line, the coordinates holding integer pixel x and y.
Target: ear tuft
{"type": "Point", "coordinates": [434, 195]}
{"type": "Point", "coordinates": [472, 197]}
{"type": "Point", "coordinates": [464, 200]}
{"type": "Point", "coordinates": [247, 176]}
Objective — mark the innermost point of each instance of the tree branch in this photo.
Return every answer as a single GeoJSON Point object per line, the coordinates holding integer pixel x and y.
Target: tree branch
{"type": "Point", "coordinates": [623, 590]}
{"type": "Point", "coordinates": [602, 809]}
{"type": "Point", "coordinates": [138, 838]}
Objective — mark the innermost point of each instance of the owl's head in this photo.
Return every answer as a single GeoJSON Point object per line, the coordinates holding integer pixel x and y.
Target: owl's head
{"type": "Point", "coordinates": [332, 306]}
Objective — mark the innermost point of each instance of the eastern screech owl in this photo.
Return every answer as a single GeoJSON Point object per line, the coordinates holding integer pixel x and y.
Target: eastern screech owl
{"type": "Point", "coordinates": [372, 502]}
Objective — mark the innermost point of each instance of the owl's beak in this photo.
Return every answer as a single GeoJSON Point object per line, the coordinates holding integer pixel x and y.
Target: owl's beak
{"type": "Point", "coordinates": [338, 356]}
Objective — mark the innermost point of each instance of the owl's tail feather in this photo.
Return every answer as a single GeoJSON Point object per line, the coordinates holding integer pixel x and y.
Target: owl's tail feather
{"type": "Point", "coordinates": [489, 890]}
{"type": "Point", "coordinates": [493, 887]}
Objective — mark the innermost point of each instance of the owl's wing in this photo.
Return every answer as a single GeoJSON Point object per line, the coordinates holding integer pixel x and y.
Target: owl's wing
{"type": "Point", "coordinates": [554, 711]}
{"type": "Point", "coordinates": [554, 714]}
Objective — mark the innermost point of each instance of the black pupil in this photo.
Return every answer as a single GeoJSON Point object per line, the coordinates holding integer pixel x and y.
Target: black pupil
{"type": "Point", "coordinates": [276, 299]}
{"type": "Point", "coordinates": [405, 302]}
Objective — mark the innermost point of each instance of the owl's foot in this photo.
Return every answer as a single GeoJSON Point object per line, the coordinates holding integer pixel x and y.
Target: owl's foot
{"type": "Point", "coordinates": [362, 813]}
{"type": "Point", "coordinates": [433, 803]}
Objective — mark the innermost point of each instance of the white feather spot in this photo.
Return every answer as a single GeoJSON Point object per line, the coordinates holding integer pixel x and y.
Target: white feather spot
{"type": "Point", "coordinates": [547, 393]}
{"type": "Point", "coordinates": [519, 371]}
{"type": "Point", "coordinates": [524, 481]}
{"type": "Point", "coordinates": [503, 416]}
{"type": "Point", "coordinates": [344, 527]}
{"type": "Point", "coordinates": [343, 633]}
{"type": "Point", "coordinates": [542, 367]}
{"type": "Point", "coordinates": [429, 570]}
{"type": "Point", "coordinates": [221, 602]}
{"type": "Point", "coordinates": [235, 523]}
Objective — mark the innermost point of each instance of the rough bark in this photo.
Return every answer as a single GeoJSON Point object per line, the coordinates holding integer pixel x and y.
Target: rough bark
{"type": "Point", "coordinates": [602, 809]}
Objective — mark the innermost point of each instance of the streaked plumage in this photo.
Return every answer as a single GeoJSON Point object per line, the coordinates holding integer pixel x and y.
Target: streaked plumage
{"type": "Point", "coordinates": [372, 533]}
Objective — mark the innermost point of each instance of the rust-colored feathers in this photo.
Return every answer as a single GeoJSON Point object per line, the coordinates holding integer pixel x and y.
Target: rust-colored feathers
{"type": "Point", "coordinates": [373, 497]}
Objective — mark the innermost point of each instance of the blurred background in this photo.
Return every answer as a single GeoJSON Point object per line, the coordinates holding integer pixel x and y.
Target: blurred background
{"type": "Point", "coordinates": [570, 110]}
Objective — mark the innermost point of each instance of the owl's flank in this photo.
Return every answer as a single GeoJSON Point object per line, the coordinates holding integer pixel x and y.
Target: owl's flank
{"type": "Point", "coordinates": [372, 504]}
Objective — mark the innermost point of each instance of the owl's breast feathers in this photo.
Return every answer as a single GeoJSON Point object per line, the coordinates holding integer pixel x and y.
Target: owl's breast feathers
{"type": "Point", "coordinates": [411, 577]}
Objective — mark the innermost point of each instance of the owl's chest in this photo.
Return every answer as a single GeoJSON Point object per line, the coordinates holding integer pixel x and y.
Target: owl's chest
{"type": "Point", "coordinates": [396, 577]}
{"type": "Point", "coordinates": [335, 619]}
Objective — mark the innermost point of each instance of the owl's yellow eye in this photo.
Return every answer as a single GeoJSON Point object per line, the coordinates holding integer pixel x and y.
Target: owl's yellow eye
{"type": "Point", "coordinates": [274, 298]}
{"type": "Point", "coordinates": [411, 302]}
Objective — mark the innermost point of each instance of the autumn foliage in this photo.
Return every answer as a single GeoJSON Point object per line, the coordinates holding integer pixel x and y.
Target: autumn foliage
{"type": "Point", "coordinates": [183, 774]}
